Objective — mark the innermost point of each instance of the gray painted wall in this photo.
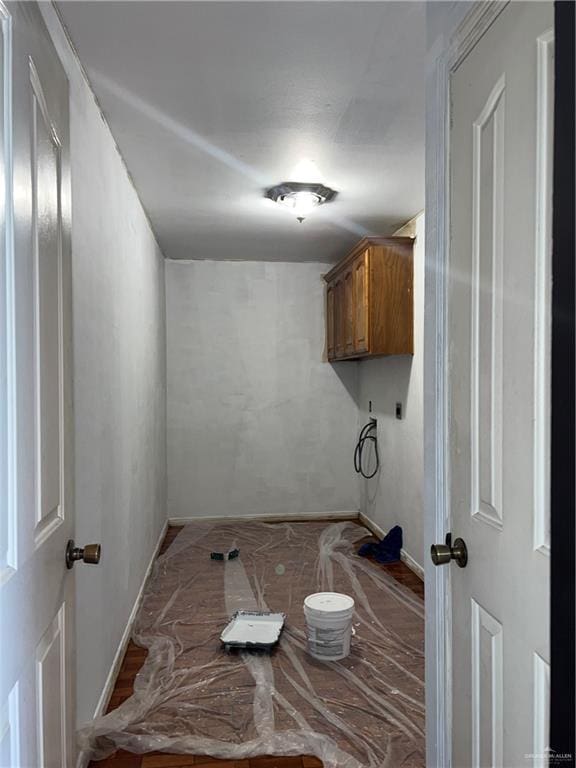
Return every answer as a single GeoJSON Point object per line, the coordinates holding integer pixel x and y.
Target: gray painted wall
{"type": "Point", "coordinates": [442, 18]}
{"type": "Point", "coordinates": [119, 384]}
{"type": "Point", "coordinates": [257, 423]}
{"type": "Point", "coordinates": [395, 495]}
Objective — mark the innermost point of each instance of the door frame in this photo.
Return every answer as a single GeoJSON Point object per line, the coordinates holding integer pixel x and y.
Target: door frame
{"type": "Point", "coordinates": [443, 61]}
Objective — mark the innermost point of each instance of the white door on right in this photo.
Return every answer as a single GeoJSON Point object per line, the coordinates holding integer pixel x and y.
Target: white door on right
{"type": "Point", "coordinates": [498, 383]}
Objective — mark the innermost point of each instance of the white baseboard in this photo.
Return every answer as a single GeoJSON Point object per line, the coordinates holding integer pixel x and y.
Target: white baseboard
{"type": "Point", "coordinates": [288, 518]}
{"type": "Point", "coordinates": [114, 669]}
{"type": "Point", "coordinates": [372, 526]}
{"type": "Point", "coordinates": [404, 556]}
{"type": "Point", "coordinates": [83, 758]}
{"type": "Point", "coordinates": [412, 564]}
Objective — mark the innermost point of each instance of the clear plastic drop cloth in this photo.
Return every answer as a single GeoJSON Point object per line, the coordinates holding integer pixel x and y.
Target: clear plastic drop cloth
{"type": "Point", "coordinates": [192, 696]}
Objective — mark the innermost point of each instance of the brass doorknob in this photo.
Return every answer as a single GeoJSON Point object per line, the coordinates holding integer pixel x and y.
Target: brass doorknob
{"type": "Point", "coordinates": [88, 554]}
{"type": "Point", "coordinates": [443, 553]}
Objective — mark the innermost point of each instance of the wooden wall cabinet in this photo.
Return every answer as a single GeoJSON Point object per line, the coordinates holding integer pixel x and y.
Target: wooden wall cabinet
{"type": "Point", "coordinates": [369, 301]}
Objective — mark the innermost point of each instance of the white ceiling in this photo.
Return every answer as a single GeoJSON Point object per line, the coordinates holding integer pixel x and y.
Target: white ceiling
{"type": "Point", "coordinates": [211, 102]}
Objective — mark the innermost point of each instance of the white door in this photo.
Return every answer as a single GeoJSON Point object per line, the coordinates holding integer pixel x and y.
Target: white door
{"type": "Point", "coordinates": [498, 341]}
{"type": "Point", "coordinates": [37, 516]}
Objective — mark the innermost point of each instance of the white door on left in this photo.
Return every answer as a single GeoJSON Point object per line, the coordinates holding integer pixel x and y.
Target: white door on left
{"type": "Point", "coordinates": [36, 505]}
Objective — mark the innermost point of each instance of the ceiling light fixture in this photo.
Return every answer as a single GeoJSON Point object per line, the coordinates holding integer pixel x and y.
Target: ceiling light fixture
{"type": "Point", "coordinates": [299, 197]}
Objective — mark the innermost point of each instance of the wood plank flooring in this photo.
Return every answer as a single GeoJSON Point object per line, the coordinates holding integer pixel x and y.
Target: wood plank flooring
{"type": "Point", "coordinates": [133, 661]}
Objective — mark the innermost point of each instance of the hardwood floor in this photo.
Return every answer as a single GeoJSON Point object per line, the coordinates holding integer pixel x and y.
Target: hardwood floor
{"type": "Point", "coordinates": [133, 661]}
{"type": "Point", "coordinates": [122, 759]}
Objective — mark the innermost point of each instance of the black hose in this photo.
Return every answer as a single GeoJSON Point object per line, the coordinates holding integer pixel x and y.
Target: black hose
{"type": "Point", "coordinates": [364, 437]}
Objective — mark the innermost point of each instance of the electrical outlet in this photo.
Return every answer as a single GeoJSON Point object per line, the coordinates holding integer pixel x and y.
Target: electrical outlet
{"type": "Point", "coordinates": [399, 410]}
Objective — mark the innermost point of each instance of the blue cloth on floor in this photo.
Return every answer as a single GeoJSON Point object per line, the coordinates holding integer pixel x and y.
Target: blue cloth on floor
{"type": "Point", "coordinates": [387, 550]}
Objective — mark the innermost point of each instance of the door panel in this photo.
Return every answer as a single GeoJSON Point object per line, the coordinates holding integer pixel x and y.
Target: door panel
{"type": "Point", "coordinates": [37, 591]}
{"type": "Point", "coordinates": [330, 320]}
{"type": "Point", "coordinates": [543, 288]}
{"type": "Point", "coordinates": [51, 697]}
{"type": "Point", "coordinates": [339, 318]}
{"type": "Point", "coordinates": [47, 330]}
{"type": "Point", "coordinates": [541, 710]}
{"type": "Point", "coordinates": [487, 688]}
{"type": "Point", "coordinates": [9, 736]}
{"type": "Point", "coordinates": [348, 281]}
{"type": "Point", "coordinates": [361, 304]}
{"type": "Point", "coordinates": [487, 297]}
{"type": "Point", "coordinates": [498, 320]}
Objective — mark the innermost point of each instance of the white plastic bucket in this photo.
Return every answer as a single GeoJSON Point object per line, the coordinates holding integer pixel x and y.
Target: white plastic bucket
{"type": "Point", "coordinates": [328, 625]}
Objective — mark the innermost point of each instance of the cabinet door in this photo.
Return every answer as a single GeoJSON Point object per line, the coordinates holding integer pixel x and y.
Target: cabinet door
{"type": "Point", "coordinates": [349, 312]}
{"type": "Point", "coordinates": [330, 322]}
{"type": "Point", "coordinates": [339, 317]}
{"type": "Point", "coordinates": [360, 270]}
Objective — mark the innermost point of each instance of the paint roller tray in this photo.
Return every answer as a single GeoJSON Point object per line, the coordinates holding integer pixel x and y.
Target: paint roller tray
{"type": "Point", "coordinates": [254, 630]}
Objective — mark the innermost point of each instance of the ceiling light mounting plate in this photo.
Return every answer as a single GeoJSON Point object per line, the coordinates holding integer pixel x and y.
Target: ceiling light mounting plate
{"type": "Point", "coordinates": [300, 197]}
